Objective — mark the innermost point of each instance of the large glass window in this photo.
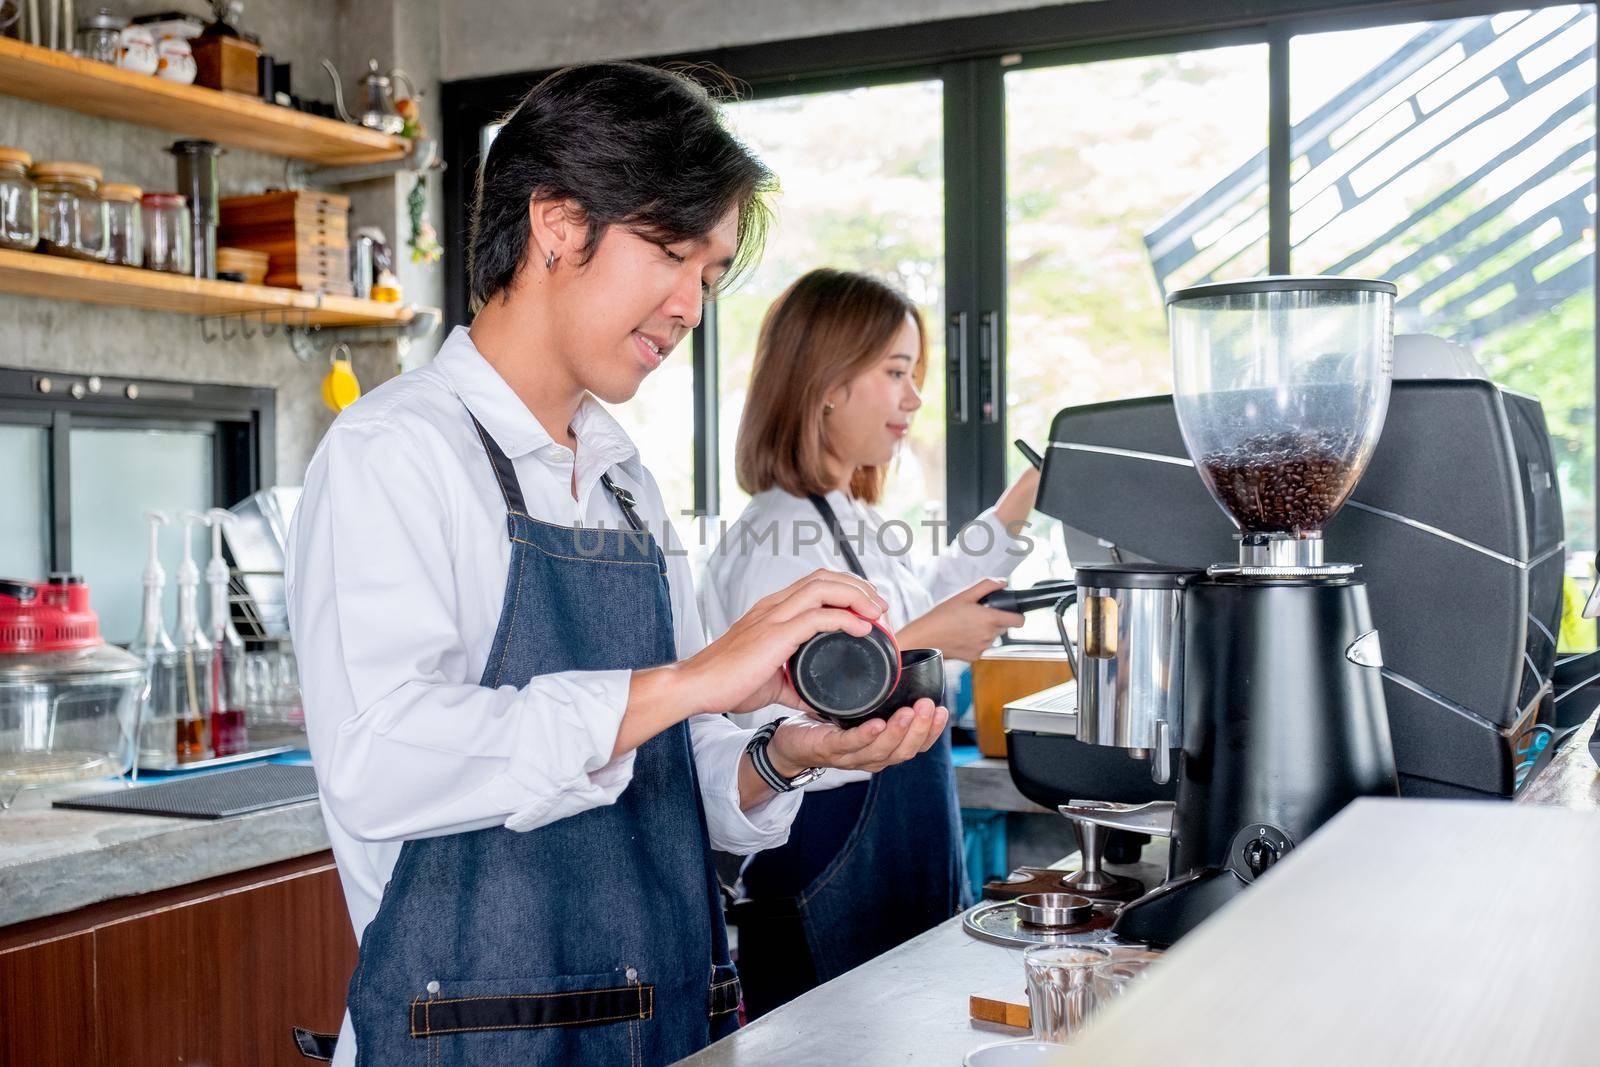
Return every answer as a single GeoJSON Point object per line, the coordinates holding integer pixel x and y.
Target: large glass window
{"type": "Point", "coordinates": [176, 474]}
{"type": "Point", "coordinates": [25, 493]}
{"type": "Point", "coordinates": [862, 188]}
{"type": "Point", "coordinates": [1457, 160]}
{"type": "Point", "coordinates": [1125, 179]}
{"type": "Point", "coordinates": [1453, 157]}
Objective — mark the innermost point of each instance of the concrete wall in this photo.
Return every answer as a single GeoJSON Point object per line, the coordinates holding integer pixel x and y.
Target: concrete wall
{"type": "Point", "coordinates": [84, 338]}
{"type": "Point", "coordinates": [479, 37]}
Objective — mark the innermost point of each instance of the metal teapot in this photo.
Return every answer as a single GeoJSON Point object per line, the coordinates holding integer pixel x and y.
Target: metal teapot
{"type": "Point", "coordinates": [378, 111]}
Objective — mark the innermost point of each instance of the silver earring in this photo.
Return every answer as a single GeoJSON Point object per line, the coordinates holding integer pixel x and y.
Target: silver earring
{"type": "Point", "coordinates": [550, 261]}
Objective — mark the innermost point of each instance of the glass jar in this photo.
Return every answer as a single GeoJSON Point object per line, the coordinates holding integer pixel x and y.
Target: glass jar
{"type": "Point", "coordinates": [72, 217]}
{"type": "Point", "coordinates": [124, 233]}
{"type": "Point", "coordinates": [19, 201]}
{"type": "Point", "coordinates": [166, 233]}
{"type": "Point", "coordinates": [100, 36]}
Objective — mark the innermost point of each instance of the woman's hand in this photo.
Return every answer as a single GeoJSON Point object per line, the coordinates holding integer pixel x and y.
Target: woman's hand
{"type": "Point", "coordinates": [805, 741]}
{"type": "Point", "coordinates": [961, 627]}
{"type": "Point", "coordinates": [1016, 503]}
{"type": "Point", "coordinates": [743, 669]}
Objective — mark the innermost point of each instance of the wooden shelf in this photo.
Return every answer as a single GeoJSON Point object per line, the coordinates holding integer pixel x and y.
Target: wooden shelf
{"type": "Point", "coordinates": [60, 80]}
{"type": "Point", "coordinates": [59, 278]}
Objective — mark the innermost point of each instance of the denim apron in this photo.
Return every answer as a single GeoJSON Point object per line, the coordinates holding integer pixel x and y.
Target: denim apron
{"type": "Point", "coordinates": [597, 939]}
{"type": "Point", "coordinates": [837, 904]}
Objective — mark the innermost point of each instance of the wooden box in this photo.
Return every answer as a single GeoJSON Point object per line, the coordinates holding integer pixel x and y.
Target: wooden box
{"type": "Point", "coordinates": [231, 64]}
{"type": "Point", "coordinates": [1003, 674]}
{"type": "Point", "coordinates": [305, 234]}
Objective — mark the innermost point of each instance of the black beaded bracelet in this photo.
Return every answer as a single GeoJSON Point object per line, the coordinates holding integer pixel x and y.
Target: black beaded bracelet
{"type": "Point", "coordinates": [762, 763]}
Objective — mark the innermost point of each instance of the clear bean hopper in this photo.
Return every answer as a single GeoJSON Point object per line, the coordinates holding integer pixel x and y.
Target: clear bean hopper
{"type": "Point", "coordinates": [1280, 387]}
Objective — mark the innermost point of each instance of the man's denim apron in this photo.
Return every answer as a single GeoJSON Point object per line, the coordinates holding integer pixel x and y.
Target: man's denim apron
{"type": "Point", "coordinates": [868, 866]}
{"type": "Point", "coordinates": [597, 939]}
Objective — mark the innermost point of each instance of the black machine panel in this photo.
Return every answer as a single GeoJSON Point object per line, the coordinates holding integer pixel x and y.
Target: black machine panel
{"type": "Point", "coordinates": [1457, 527]}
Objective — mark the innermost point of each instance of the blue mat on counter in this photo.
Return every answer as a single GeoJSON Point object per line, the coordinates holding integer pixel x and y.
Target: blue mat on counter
{"type": "Point", "coordinates": [294, 757]}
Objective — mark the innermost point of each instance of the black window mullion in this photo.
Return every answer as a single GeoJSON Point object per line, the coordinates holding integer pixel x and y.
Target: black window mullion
{"type": "Point", "coordinates": [975, 285]}
{"type": "Point", "coordinates": [61, 491]}
{"type": "Point", "coordinates": [707, 439]}
{"type": "Point", "coordinates": [1279, 153]}
{"type": "Point", "coordinates": [962, 296]}
{"type": "Point", "coordinates": [989, 161]}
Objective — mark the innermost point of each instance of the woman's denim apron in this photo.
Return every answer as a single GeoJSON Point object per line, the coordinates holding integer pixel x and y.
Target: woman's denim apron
{"type": "Point", "coordinates": [867, 867]}
{"type": "Point", "coordinates": [597, 939]}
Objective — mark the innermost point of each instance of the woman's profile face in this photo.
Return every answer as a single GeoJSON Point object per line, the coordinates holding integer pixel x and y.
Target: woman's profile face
{"type": "Point", "coordinates": [623, 313]}
{"type": "Point", "coordinates": [872, 412]}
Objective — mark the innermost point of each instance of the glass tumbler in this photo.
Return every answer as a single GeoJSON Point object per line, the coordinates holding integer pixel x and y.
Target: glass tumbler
{"type": "Point", "coordinates": [1061, 991]}
{"type": "Point", "coordinates": [1114, 977]}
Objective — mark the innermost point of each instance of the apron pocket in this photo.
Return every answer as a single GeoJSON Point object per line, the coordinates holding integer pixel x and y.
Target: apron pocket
{"type": "Point", "coordinates": [464, 1007]}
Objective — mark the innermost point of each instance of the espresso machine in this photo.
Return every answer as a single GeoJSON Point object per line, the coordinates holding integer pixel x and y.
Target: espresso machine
{"type": "Point", "coordinates": [1259, 678]}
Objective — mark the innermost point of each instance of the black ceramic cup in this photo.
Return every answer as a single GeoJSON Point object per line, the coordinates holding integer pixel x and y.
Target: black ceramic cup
{"type": "Point", "coordinates": [921, 675]}
{"type": "Point", "coordinates": [844, 677]}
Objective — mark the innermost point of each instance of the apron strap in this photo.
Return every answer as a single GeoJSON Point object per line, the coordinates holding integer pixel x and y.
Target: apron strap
{"type": "Point", "coordinates": [624, 501]}
{"type": "Point", "coordinates": [511, 489]}
{"type": "Point", "coordinates": [504, 473]}
{"type": "Point", "coordinates": [843, 546]}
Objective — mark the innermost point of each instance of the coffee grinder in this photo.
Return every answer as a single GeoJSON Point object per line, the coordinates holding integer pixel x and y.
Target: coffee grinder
{"type": "Point", "coordinates": [1281, 388]}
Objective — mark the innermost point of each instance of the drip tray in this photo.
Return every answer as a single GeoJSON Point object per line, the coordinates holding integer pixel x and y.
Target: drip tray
{"type": "Point", "coordinates": [209, 796]}
{"type": "Point", "coordinates": [999, 922]}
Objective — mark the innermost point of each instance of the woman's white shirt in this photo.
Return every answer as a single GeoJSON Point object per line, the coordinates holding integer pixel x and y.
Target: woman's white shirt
{"type": "Point", "coordinates": [780, 538]}
{"type": "Point", "coordinates": [397, 569]}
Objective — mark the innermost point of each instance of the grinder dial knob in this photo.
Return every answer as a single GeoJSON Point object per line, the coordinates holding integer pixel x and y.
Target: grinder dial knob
{"type": "Point", "coordinates": [1259, 855]}
{"type": "Point", "coordinates": [1257, 847]}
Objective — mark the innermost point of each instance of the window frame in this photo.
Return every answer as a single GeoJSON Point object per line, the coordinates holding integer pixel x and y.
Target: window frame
{"type": "Point", "coordinates": [242, 420]}
{"type": "Point", "coordinates": [971, 56]}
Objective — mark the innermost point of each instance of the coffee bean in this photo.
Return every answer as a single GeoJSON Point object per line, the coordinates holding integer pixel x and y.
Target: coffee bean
{"type": "Point", "coordinates": [1285, 482]}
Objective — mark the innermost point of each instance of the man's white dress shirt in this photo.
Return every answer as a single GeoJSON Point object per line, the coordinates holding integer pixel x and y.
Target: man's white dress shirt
{"type": "Point", "coordinates": [397, 569]}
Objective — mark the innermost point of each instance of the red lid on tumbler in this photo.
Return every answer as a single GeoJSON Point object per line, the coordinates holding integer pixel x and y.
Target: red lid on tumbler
{"type": "Point", "coordinates": [49, 616]}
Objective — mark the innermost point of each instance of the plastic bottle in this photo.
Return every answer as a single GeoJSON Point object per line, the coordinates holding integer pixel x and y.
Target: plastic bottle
{"type": "Point", "coordinates": [194, 653]}
{"type": "Point", "coordinates": [158, 735]}
{"type": "Point", "coordinates": [228, 728]}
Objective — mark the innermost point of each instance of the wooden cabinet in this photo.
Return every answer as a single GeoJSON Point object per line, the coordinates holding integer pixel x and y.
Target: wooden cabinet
{"type": "Point", "coordinates": [212, 973]}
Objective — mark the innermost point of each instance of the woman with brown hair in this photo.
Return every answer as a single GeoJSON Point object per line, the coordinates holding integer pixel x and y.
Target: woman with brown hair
{"type": "Point", "coordinates": [872, 859]}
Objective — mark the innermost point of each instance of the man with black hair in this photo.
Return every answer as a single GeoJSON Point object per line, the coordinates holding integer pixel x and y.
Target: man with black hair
{"type": "Point", "coordinates": [516, 721]}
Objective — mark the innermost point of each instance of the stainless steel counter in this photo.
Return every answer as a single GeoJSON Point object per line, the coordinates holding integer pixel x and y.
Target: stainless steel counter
{"type": "Point", "coordinates": [908, 1006]}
